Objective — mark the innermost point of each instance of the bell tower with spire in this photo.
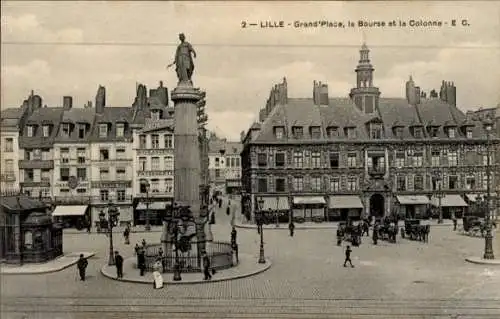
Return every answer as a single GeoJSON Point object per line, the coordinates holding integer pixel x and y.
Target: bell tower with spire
{"type": "Point", "coordinates": [365, 95]}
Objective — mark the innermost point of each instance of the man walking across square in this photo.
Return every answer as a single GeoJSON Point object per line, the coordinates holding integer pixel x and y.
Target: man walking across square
{"type": "Point", "coordinates": [82, 267]}
{"type": "Point", "coordinates": [119, 265]}
{"type": "Point", "coordinates": [348, 256]}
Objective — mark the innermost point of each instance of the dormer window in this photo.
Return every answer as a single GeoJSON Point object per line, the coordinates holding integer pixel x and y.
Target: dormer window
{"type": "Point", "coordinates": [417, 132]}
{"type": "Point", "coordinates": [120, 129]}
{"type": "Point", "coordinates": [279, 132]}
{"type": "Point", "coordinates": [298, 132]}
{"type": "Point", "coordinates": [376, 131]}
{"type": "Point", "coordinates": [103, 130]}
{"type": "Point", "coordinates": [65, 129]}
{"type": "Point", "coordinates": [451, 132]}
{"type": "Point", "coordinates": [46, 130]}
{"type": "Point", "coordinates": [155, 114]}
{"type": "Point", "coordinates": [468, 132]}
{"type": "Point", "coordinates": [332, 132]}
{"type": "Point", "coordinates": [398, 131]}
{"type": "Point", "coordinates": [82, 130]}
{"type": "Point", "coordinates": [315, 132]}
{"type": "Point", "coordinates": [31, 131]}
{"type": "Point", "coordinates": [350, 132]}
{"type": "Point", "coordinates": [433, 132]}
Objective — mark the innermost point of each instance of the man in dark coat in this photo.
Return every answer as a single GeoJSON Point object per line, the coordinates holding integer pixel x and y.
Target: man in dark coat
{"type": "Point", "coordinates": [233, 234]}
{"type": "Point", "coordinates": [206, 267]}
{"type": "Point", "coordinates": [141, 260]}
{"type": "Point", "coordinates": [348, 256]}
{"type": "Point", "coordinates": [119, 265]}
{"type": "Point", "coordinates": [340, 235]}
{"type": "Point", "coordinates": [82, 266]}
{"type": "Point", "coordinates": [291, 227]}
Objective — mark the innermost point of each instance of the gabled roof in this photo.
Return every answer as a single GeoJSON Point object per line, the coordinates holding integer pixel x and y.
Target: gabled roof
{"type": "Point", "coordinates": [39, 117]}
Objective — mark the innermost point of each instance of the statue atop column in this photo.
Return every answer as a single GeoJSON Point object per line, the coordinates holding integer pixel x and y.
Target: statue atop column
{"type": "Point", "coordinates": [184, 65]}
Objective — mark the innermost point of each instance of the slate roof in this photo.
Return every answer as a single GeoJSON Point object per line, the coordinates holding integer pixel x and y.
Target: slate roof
{"type": "Point", "coordinates": [76, 116]}
{"type": "Point", "coordinates": [342, 113]}
{"type": "Point", "coordinates": [45, 115]}
{"type": "Point", "coordinates": [20, 202]}
{"type": "Point", "coordinates": [112, 116]}
{"type": "Point", "coordinates": [10, 118]}
{"type": "Point", "coordinates": [155, 125]}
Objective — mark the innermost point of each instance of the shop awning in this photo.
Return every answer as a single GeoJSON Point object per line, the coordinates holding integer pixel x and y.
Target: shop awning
{"type": "Point", "coordinates": [449, 201]}
{"type": "Point", "coordinates": [76, 210]}
{"type": "Point", "coordinates": [345, 202]}
{"type": "Point", "coordinates": [271, 203]}
{"type": "Point", "coordinates": [413, 199]}
{"type": "Point", "coordinates": [308, 200]}
{"type": "Point", "coordinates": [474, 197]}
{"type": "Point", "coordinates": [152, 205]}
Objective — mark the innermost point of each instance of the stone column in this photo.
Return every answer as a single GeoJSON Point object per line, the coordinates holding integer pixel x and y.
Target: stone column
{"type": "Point", "coordinates": [187, 166]}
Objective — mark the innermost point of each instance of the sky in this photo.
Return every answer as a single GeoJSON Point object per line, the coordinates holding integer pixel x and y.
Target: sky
{"type": "Point", "coordinates": [70, 48]}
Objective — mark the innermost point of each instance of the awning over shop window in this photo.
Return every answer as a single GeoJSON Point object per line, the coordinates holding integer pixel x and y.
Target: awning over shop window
{"type": "Point", "coordinates": [449, 201]}
{"type": "Point", "coordinates": [308, 200]}
{"type": "Point", "coordinates": [270, 203]}
{"type": "Point", "coordinates": [413, 200]}
{"type": "Point", "coordinates": [345, 202]}
{"type": "Point", "coordinates": [474, 197]}
{"type": "Point", "coordinates": [76, 210]}
{"type": "Point", "coordinates": [152, 205]}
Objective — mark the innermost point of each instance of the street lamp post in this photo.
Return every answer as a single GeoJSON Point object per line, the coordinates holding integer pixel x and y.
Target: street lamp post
{"type": "Point", "coordinates": [439, 195]}
{"type": "Point", "coordinates": [262, 259]}
{"type": "Point", "coordinates": [148, 225]}
{"type": "Point", "coordinates": [277, 214]}
{"type": "Point", "coordinates": [112, 217]}
{"type": "Point", "coordinates": [488, 239]}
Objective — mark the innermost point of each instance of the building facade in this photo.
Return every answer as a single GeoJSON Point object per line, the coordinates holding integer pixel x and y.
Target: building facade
{"type": "Point", "coordinates": [365, 155]}
{"type": "Point", "coordinates": [224, 165]}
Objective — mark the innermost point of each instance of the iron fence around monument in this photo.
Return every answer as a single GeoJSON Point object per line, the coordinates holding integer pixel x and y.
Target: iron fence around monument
{"type": "Point", "coordinates": [220, 254]}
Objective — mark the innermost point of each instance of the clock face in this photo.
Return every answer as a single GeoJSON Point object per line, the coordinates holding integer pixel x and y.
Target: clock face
{"type": "Point", "coordinates": [72, 182]}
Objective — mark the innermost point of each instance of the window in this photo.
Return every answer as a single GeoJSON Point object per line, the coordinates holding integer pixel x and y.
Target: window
{"type": "Point", "coordinates": [217, 173]}
{"type": "Point", "coordinates": [45, 175]}
{"type": "Point", "coordinates": [316, 184]}
{"type": "Point", "coordinates": [169, 185]}
{"type": "Point", "coordinates": [452, 158]}
{"type": "Point", "coordinates": [64, 155]}
{"type": "Point", "coordinates": [9, 145]}
{"type": "Point", "coordinates": [470, 182]}
{"type": "Point", "coordinates": [298, 132]}
{"type": "Point", "coordinates": [262, 185]}
{"type": "Point", "coordinates": [375, 131]}
{"type": "Point", "coordinates": [279, 159]}
{"type": "Point", "coordinates": [417, 132]}
{"type": "Point", "coordinates": [351, 160]}
{"type": "Point", "coordinates": [316, 159]}
{"type": "Point", "coordinates": [155, 163]}
{"type": "Point", "coordinates": [418, 182]}
{"type": "Point", "coordinates": [121, 173]}
{"type": "Point", "coordinates": [30, 131]}
{"type": "Point", "coordinates": [81, 173]}
{"type": "Point", "coordinates": [485, 181]}
{"type": "Point", "coordinates": [142, 141]}
{"type": "Point", "coordinates": [352, 183]}
{"type": "Point", "coordinates": [104, 195]}
{"type": "Point", "coordinates": [237, 161]}
{"type": "Point", "coordinates": [120, 154]}
{"type": "Point", "coordinates": [435, 158]}
{"type": "Point", "coordinates": [66, 130]}
{"type": "Point", "coordinates": [64, 174]}
{"type": "Point", "coordinates": [418, 158]}
{"type": "Point", "coordinates": [9, 166]}
{"type": "Point", "coordinates": [298, 159]}
{"type": "Point", "coordinates": [142, 163]}
{"type": "Point", "coordinates": [315, 132]}
{"type": "Point", "coordinates": [217, 162]}
{"type": "Point", "coordinates": [120, 195]}
{"type": "Point", "coordinates": [452, 182]}
{"type": "Point", "coordinates": [334, 160]}
{"type": "Point", "coordinates": [279, 132]}
{"type": "Point", "coordinates": [103, 130]}
{"type": "Point", "coordinates": [46, 155]}
{"type": "Point", "coordinates": [228, 162]}
{"type": "Point", "coordinates": [103, 154]}
{"type": "Point", "coordinates": [120, 129]}
{"type": "Point", "coordinates": [298, 183]}
{"type": "Point", "coordinates": [104, 174]}
{"type": "Point", "coordinates": [280, 185]}
{"type": "Point", "coordinates": [451, 132]}
{"type": "Point", "coordinates": [332, 132]}
{"type": "Point", "coordinates": [401, 183]}
{"type": "Point", "coordinates": [350, 132]}
{"type": "Point", "coordinates": [46, 130]}
{"type": "Point", "coordinates": [468, 132]}
{"type": "Point", "coordinates": [261, 159]}
{"type": "Point", "coordinates": [143, 186]}
{"type": "Point", "coordinates": [168, 140]}
{"type": "Point", "coordinates": [334, 184]}
{"type": "Point", "coordinates": [155, 185]}
{"type": "Point", "coordinates": [82, 130]}
{"type": "Point", "coordinates": [64, 191]}
{"type": "Point", "coordinates": [485, 159]}
{"type": "Point", "coordinates": [155, 115]}
{"type": "Point", "coordinates": [400, 159]}
{"type": "Point", "coordinates": [81, 190]}
{"type": "Point", "coordinates": [168, 162]}
{"type": "Point", "coordinates": [155, 141]}
{"type": "Point", "coordinates": [398, 131]}
{"type": "Point", "coordinates": [81, 155]}
{"type": "Point", "coordinates": [433, 132]}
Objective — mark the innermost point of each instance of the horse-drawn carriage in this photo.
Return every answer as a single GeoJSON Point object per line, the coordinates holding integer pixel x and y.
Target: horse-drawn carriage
{"type": "Point", "coordinates": [475, 226]}
{"type": "Point", "coordinates": [387, 230]}
{"type": "Point", "coordinates": [414, 230]}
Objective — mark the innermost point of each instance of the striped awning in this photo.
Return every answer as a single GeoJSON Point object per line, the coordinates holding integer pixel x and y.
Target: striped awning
{"type": "Point", "coordinates": [345, 202]}
{"type": "Point", "coordinates": [152, 205]}
{"type": "Point", "coordinates": [273, 203]}
{"type": "Point", "coordinates": [309, 200]}
{"type": "Point", "coordinates": [413, 199]}
{"type": "Point", "coordinates": [449, 201]}
{"type": "Point", "coordinates": [74, 210]}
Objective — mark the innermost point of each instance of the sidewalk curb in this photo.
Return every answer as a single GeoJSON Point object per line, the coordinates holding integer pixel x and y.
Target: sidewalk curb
{"type": "Point", "coordinates": [268, 265]}
{"type": "Point", "coordinates": [78, 232]}
{"type": "Point", "coordinates": [481, 261]}
{"type": "Point", "coordinates": [52, 270]}
{"type": "Point", "coordinates": [335, 226]}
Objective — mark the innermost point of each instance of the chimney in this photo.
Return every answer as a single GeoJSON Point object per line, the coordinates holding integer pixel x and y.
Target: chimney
{"type": "Point", "coordinates": [323, 94]}
{"type": "Point", "coordinates": [242, 136]}
{"type": "Point", "coordinates": [411, 91]}
{"type": "Point", "coordinates": [262, 115]}
{"type": "Point", "coordinates": [417, 95]}
{"type": "Point", "coordinates": [316, 92]}
{"type": "Point", "coordinates": [162, 94]}
{"type": "Point", "coordinates": [100, 99]}
{"type": "Point", "coordinates": [67, 102]}
{"type": "Point", "coordinates": [37, 102]}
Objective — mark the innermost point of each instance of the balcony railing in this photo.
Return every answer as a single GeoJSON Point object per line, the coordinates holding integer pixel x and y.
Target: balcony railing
{"type": "Point", "coordinates": [376, 172]}
{"type": "Point", "coordinates": [152, 173]}
{"type": "Point", "coordinates": [87, 200]}
{"type": "Point", "coordinates": [31, 183]}
{"type": "Point", "coordinates": [40, 164]}
{"type": "Point", "coordinates": [111, 199]}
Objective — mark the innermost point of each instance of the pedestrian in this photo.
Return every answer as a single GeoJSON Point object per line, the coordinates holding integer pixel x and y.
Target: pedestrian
{"type": "Point", "coordinates": [291, 227]}
{"type": "Point", "coordinates": [366, 229]}
{"type": "Point", "coordinates": [234, 234]}
{"type": "Point", "coordinates": [375, 234]}
{"type": "Point", "coordinates": [89, 226]}
{"type": "Point", "coordinates": [82, 266]}
{"type": "Point", "coordinates": [141, 262]}
{"type": "Point", "coordinates": [228, 210]}
{"type": "Point", "coordinates": [126, 235]}
{"type": "Point", "coordinates": [234, 247]}
{"type": "Point", "coordinates": [220, 202]}
{"type": "Point", "coordinates": [119, 265]}
{"type": "Point", "coordinates": [206, 267]}
{"type": "Point", "coordinates": [454, 223]}
{"type": "Point", "coordinates": [348, 256]}
{"type": "Point", "coordinates": [143, 243]}
{"type": "Point", "coordinates": [340, 235]}
{"type": "Point", "coordinates": [136, 249]}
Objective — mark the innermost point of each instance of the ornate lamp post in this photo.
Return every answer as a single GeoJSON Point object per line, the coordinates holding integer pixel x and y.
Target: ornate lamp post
{"type": "Point", "coordinates": [262, 259]}
{"type": "Point", "coordinates": [277, 214]}
{"type": "Point", "coordinates": [439, 194]}
{"type": "Point", "coordinates": [148, 225]}
{"type": "Point", "coordinates": [488, 239]}
{"type": "Point", "coordinates": [173, 226]}
{"type": "Point", "coordinates": [112, 219]}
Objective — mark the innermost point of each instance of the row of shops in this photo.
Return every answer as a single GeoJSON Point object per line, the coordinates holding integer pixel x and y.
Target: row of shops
{"type": "Point", "coordinates": [342, 207]}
